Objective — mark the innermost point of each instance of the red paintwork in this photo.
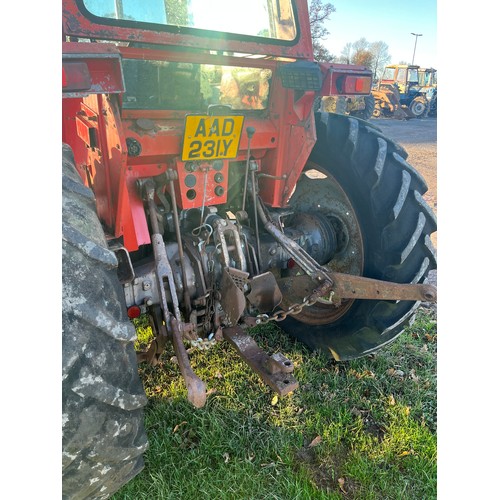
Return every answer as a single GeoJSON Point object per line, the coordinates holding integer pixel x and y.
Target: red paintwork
{"type": "Point", "coordinates": [103, 63]}
{"type": "Point", "coordinates": [96, 126]}
{"type": "Point", "coordinates": [76, 24]}
{"type": "Point", "coordinates": [204, 196]}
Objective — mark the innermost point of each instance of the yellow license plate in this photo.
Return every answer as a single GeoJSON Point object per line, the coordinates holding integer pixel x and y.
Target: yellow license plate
{"type": "Point", "coordinates": [211, 137]}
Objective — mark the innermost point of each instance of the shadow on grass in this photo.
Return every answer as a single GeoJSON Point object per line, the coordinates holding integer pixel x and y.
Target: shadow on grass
{"type": "Point", "coordinates": [360, 429]}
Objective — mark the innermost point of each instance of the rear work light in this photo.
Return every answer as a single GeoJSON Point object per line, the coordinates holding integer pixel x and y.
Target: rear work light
{"type": "Point", "coordinates": [301, 75]}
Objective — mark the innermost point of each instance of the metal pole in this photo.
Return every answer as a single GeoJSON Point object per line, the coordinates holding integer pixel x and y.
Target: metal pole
{"type": "Point", "coordinates": [415, 48]}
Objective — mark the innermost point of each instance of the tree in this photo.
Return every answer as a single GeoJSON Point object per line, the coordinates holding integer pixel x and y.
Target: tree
{"type": "Point", "coordinates": [345, 55]}
{"type": "Point", "coordinates": [319, 12]}
{"type": "Point", "coordinates": [360, 45]}
{"type": "Point", "coordinates": [361, 53]}
{"type": "Point", "coordinates": [381, 57]}
{"type": "Point", "coordinates": [363, 57]}
{"type": "Point", "coordinates": [358, 53]}
{"type": "Point", "coordinates": [373, 55]}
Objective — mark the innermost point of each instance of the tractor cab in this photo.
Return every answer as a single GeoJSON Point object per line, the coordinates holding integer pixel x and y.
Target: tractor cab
{"type": "Point", "coordinates": [405, 77]}
{"type": "Point", "coordinates": [427, 77]}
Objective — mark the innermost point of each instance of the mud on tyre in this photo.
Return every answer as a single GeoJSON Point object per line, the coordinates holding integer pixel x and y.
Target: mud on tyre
{"type": "Point", "coordinates": [395, 225]}
{"type": "Point", "coordinates": [103, 398]}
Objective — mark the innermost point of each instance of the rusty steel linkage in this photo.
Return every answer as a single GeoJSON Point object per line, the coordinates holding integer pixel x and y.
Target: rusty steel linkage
{"type": "Point", "coordinates": [348, 286]}
{"type": "Point", "coordinates": [196, 388]}
{"type": "Point", "coordinates": [275, 370]}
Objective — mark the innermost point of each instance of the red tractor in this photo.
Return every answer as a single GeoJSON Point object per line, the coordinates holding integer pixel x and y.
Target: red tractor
{"type": "Point", "coordinates": [201, 189]}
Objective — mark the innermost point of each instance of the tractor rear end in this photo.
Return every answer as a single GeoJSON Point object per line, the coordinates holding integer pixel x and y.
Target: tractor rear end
{"type": "Point", "coordinates": [201, 189]}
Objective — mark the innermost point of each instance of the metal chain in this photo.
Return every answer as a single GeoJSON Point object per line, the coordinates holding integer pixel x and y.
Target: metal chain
{"type": "Point", "coordinates": [204, 344]}
{"type": "Point", "coordinates": [262, 319]}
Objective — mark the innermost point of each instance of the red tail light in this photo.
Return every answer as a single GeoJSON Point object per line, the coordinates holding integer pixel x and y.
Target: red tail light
{"type": "Point", "coordinates": [76, 76]}
{"type": "Point", "coordinates": [346, 79]}
{"type": "Point", "coordinates": [357, 84]}
{"type": "Point", "coordinates": [134, 312]}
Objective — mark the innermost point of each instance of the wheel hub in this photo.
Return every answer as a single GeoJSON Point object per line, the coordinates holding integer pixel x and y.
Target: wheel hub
{"type": "Point", "coordinates": [325, 212]}
{"type": "Point", "coordinates": [319, 235]}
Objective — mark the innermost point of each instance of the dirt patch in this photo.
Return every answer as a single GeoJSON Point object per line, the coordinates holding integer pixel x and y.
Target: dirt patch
{"type": "Point", "coordinates": [325, 472]}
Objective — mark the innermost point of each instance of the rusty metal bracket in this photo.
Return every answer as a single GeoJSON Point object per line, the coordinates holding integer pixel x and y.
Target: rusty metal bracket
{"type": "Point", "coordinates": [303, 259]}
{"type": "Point", "coordinates": [197, 394]}
{"type": "Point", "coordinates": [196, 388]}
{"type": "Point", "coordinates": [233, 299]}
{"type": "Point", "coordinates": [264, 294]}
{"type": "Point", "coordinates": [275, 370]}
{"type": "Point", "coordinates": [347, 286]}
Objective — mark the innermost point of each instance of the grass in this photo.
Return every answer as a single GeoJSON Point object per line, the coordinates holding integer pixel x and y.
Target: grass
{"type": "Point", "coordinates": [364, 429]}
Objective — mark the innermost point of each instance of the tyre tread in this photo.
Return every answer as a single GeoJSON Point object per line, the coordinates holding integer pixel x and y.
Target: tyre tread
{"type": "Point", "coordinates": [387, 191]}
{"type": "Point", "coordinates": [103, 434]}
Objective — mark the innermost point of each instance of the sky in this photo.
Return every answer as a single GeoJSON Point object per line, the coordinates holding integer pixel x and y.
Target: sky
{"type": "Point", "coordinates": [388, 21]}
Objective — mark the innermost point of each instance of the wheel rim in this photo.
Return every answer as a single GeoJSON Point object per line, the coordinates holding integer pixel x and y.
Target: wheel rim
{"type": "Point", "coordinates": [417, 108]}
{"type": "Point", "coordinates": [319, 191]}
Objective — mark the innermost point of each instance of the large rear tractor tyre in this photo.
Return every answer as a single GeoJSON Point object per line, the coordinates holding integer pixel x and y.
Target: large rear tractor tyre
{"type": "Point", "coordinates": [361, 182]}
{"type": "Point", "coordinates": [103, 437]}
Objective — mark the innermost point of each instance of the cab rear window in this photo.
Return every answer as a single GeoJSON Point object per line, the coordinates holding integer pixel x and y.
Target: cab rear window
{"type": "Point", "coordinates": [272, 19]}
{"type": "Point", "coordinates": [193, 87]}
